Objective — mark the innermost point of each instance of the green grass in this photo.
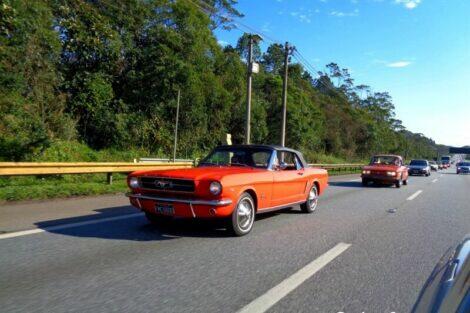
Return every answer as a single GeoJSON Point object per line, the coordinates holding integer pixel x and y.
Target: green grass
{"type": "Point", "coordinates": [33, 188]}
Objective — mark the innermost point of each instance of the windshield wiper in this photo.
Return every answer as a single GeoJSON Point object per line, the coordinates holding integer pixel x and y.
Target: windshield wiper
{"type": "Point", "coordinates": [208, 163]}
{"type": "Point", "coordinates": [239, 164]}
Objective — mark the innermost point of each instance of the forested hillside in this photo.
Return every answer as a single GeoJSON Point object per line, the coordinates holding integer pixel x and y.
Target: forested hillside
{"type": "Point", "coordinates": [106, 74]}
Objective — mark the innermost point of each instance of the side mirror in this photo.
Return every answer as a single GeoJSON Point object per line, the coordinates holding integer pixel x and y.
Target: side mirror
{"type": "Point", "coordinates": [282, 166]}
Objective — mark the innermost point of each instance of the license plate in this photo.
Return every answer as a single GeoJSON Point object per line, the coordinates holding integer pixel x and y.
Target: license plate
{"type": "Point", "coordinates": [164, 209]}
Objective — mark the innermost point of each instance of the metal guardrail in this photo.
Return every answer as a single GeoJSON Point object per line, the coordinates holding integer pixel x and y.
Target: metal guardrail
{"type": "Point", "coordinates": [57, 168]}
{"type": "Point", "coordinates": [339, 167]}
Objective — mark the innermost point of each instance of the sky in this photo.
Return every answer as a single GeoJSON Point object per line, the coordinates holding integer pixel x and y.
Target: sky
{"type": "Point", "coordinates": [417, 50]}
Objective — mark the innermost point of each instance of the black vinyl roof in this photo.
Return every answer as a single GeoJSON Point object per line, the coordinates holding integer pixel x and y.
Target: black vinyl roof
{"type": "Point", "coordinates": [268, 147]}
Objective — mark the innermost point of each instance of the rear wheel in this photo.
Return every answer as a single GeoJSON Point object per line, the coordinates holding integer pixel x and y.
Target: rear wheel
{"type": "Point", "coordinates": [310, 205]}
{"type": "Point", "coordinates": [243, 216]}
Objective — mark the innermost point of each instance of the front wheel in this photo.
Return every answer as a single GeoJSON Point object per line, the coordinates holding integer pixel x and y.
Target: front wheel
{"type": "Point", "coordinates": [398, 183]}
{"type": "Point", "coordinates": [365, 182]}
{"type": "Point", "coordinates": [310, 205]}
{"type": "Point", "coordinates": [243, 215]}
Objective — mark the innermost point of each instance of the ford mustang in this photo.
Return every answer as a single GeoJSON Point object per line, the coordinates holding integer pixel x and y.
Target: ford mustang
{"type": "Point", "coordinates": [232, 183]}
{"type": "Point", "coordinates": [388, 169]}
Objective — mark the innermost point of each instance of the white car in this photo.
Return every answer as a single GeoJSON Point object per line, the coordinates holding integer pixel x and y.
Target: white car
{"type": "Point", "coordinates": [433, 165]}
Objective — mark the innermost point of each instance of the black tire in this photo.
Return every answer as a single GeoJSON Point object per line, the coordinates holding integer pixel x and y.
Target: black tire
{"type": "Point", "coordinates": [365, 182]}
{"type": "Point", "coordinates": [405, 182]}
{"type": "Point", "coordinates": [243, 216]}
{"type": "Point", "coordinates": [398, 183]}
{"type": "Point", "coordinates": [311, 204]}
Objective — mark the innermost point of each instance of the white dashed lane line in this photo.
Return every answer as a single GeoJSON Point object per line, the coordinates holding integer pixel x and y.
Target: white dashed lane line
{"type": "Point", "coordinates": [414, 195]}
{"type": "Point", "coordinates": [273, 295]}
{"type": "Point", "coordinates": [434, 180]}
{"type": "Point", "coordinates": [65, 226]}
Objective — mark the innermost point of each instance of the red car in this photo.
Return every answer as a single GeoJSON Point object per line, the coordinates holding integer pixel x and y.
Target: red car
{"type": "Point", "coordinates": [232, 183]}
{"type": "Point", "coordinates": [387, 169]}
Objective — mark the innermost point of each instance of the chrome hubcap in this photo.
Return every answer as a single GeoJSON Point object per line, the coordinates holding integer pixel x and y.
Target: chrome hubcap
{"type": "Point", "coordinates": [313, 198]}
{"type": "Point", "coordinates": [245, 214]}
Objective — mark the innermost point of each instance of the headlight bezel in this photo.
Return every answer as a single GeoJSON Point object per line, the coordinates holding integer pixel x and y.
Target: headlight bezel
{"type": "Point", "coordinates": [390, 173]}
{"type": "Point", "coordinates": [215, 188]}
{"type": "Point", "coordinates": [134, 182]}
{"type": "Point", "coordinates": [366, 172]}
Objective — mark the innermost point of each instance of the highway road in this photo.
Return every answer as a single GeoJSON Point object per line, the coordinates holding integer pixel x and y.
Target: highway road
{"type": "Point", "coordinates": [364, 250]}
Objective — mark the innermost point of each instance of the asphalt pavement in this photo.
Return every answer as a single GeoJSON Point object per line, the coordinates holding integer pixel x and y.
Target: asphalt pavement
{"type": "Point", "coordinates": [365, 249]}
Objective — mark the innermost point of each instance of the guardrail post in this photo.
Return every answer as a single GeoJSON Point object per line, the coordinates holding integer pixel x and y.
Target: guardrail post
{"type": "Point", "coordinates": [109, 178]}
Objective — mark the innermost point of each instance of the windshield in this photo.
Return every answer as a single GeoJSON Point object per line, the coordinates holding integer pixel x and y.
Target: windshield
{"type": "Point", "coordinates": [385, 160]}
{"type": "Point", "coordinates": [418, 162]}
{"type": "Point", "coordinates": [252, 157]}
{"type": "Point", "coordinates": [464, 164]}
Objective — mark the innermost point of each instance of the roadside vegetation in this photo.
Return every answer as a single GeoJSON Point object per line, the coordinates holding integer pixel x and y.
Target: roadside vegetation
{"type": "Point", "coordinates": [97, 81]}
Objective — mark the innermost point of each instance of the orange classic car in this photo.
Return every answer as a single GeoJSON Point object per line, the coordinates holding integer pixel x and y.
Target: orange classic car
{"type": "Point", "coordinates": [386, 169]}
{"type": "Point", "coordinates": [233, 183]}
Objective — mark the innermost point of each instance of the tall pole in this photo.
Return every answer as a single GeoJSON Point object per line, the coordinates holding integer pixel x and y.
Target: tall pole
{"type": "Point", "coordinates": [284, 94]}
{"type": "Point", "coordinates": [248, 90]}
{"type": "Point", "coordinates": [176, 127]}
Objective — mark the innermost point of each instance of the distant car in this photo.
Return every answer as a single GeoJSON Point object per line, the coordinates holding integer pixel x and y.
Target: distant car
{"type": "Point", "coordinates": [433, 165]}
{"type": "Point", "coordinates": [447, 289]}
{"type": "Point", "coordinates": [419, 167]}
{"type": "Point", "coordinates": [440, 165]}
{"type": "Point", "coordinates": [387, 169]}
{"type": "Point", "coordinates": [463, 167]}
{"type": "Point", "coordinates": [232, 183]}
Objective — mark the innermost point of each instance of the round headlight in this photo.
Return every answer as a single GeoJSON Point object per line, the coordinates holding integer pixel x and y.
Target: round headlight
{"type": "Point", "coordinates": [365, 172]}
{"type": "Point", "coordinates": [391, 173]}
{"type": "Point", "coordinates": [215, 188]}
{"type": "Point", "coordinates": [134, 182]}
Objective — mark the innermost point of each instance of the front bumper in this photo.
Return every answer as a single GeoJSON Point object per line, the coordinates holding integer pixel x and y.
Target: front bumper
{"type": "Point", "coordinates": [183, 207]}
{"type": "Point", "coordinates": [380, 178]}
{"type": "Point", "coordinates": [417, 171]}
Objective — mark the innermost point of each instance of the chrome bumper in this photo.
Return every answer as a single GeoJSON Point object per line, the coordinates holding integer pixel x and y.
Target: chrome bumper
{"type": "Point", "coordinates": [188, 201]}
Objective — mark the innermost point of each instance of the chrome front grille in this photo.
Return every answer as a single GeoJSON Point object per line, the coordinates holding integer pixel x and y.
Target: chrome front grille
{"type": "Point", "coordinates": [167, 184]}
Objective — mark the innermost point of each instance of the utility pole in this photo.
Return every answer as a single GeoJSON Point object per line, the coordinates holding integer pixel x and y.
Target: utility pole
{"type": "Point", "coordinates": [250, 66]}
{"type": "Point", "coordinates": [176, 127]}
{"type": "Point", "coordinates": [287, 51]}
{"type": "Point", "coordinates": [248, 91]}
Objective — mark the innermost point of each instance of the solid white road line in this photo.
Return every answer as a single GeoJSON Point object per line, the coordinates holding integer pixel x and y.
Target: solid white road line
{"type": "Point", "coordinates": [65, 226]}
{"type": "Point", "coordinates": [434, 180]}
{"type": "Point", "coordinates": [414, 195]}
{"type": "Point", "coordinates": [272, 296]}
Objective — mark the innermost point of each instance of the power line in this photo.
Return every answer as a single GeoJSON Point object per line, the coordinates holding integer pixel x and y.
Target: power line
{"type": "Point", "coordinates": [237, 23]}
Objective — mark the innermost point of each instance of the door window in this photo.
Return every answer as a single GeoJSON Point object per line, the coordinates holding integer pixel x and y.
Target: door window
{"type": "Point", "coordinates": [290, 159]}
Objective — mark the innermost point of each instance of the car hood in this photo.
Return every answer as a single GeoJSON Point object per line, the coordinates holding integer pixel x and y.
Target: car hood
{"type": "Point", "coordinates": [380, 168]}
{"type": "Point", "coordinates": [199, 173]}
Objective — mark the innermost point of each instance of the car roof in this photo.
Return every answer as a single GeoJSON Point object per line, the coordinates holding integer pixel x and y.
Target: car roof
{"type": "Point", "coordinates": [270, 147]}
{"type": "Point", "coordinates": [387, 155]}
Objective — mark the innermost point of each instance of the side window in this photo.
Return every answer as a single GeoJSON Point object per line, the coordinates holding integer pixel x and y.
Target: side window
{"type": "Point", "coordinates": [290, 160]}
{"type": "Point", "coordinates": [261, 158]}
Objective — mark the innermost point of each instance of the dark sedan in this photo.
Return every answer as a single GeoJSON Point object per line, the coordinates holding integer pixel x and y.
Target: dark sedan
{"type": "Point", "coordinates": [463, 168]}
{"type": "Point", "coordinates": [419, 167]}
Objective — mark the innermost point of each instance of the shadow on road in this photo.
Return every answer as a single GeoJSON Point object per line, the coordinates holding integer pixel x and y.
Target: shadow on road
{"type": "Point", "coordinates": [137, 228]}
{"type": "Point", "coordinates": [356, 184]}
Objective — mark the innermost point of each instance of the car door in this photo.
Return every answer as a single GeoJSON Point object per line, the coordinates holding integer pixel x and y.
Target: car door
{"type": "Point", "coordinates": [289, 180]}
